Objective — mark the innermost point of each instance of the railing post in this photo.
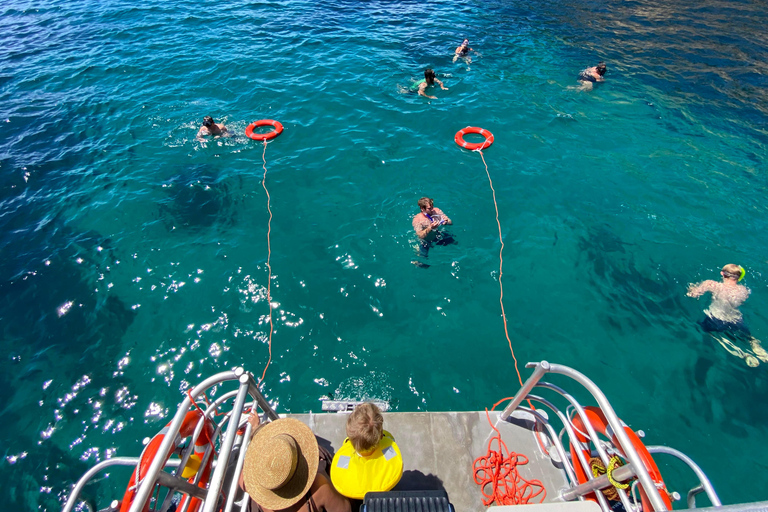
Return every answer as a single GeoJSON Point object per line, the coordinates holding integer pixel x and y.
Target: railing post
{"type": "Point", "coordinates": [538, 373]}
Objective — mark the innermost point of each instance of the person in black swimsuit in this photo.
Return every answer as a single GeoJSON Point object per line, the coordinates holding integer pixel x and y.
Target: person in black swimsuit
{"type": "Point", "coordinates": [286, 470]}
{"type": "Point", "coordinates": [462, 51]}
{"type": "Point", "coordinates": [591, 75]}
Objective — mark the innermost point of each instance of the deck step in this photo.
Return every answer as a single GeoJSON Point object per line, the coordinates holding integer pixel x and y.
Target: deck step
{"type": "Point", "coordinates": [407, 501]}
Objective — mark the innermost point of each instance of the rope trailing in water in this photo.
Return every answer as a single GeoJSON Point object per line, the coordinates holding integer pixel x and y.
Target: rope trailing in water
{"type": "Point", "coordinates": [501, 271]}
{"type": "Point", "coordinates": [269, 256]}
{"type": "Point", "coordinates": [599, 469]}
{"type": "Point", "coordinates": [499, 469]}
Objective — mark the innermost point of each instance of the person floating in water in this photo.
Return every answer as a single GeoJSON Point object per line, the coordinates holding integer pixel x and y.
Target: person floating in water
{"type": "Point", "coordinates": [591, 75]}
{"type": "Point", "coordinates": [211, 128]}
{"type": "Point", "coordinates": [462, 51]}
{"type": "Point", "coordinates": [429, 80]}
{"type": "Point", "coordinates": [427, 226]}
{"type": "Point", "coordinates": [723, 315]}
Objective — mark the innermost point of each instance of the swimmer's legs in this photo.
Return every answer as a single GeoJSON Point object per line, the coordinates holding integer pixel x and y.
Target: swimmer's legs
{"type": "Point", "coordinates": [758, 349]}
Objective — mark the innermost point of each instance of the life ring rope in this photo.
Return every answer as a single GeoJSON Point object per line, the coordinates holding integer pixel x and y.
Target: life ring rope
{"type": "Point", "coordinates": [277, 125]}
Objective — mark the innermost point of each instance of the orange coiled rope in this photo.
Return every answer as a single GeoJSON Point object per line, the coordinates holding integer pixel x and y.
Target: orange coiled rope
{"type": "Point", "coordinates": [269, 256]}
{"type": "Point", "coordinates": [498, 469]}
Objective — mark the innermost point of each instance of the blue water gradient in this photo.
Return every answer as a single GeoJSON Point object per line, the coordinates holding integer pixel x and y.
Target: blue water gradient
{"type": "Point", "coordinates": [134, 257]}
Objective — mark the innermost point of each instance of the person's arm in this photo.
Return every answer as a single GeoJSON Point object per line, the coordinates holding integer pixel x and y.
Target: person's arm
{"type": "Point", "coordinates": [327, 497]}
{"type": "Point", "coordinates": [201, 132]}
{"type": "Point", "coordinates": [697, 290]}
{"type": "Point", "coordinates": [446, 220]}
{"type": "Point", "coordinates": [422, 228]}
{"type": "Point", "coordinates": [441, 84]}
{"type": "Point", "coordinates": [423, 88]}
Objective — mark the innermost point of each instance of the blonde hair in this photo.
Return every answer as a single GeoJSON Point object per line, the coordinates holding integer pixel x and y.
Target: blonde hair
{"type": "Point", "coordinates": [732, 270]}
{"type": "Point", "coordinates": [365, 427]}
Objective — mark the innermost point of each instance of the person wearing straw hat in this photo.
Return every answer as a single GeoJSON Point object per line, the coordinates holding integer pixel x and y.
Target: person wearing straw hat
{"type": "Point", "coordinates": [283, 470]}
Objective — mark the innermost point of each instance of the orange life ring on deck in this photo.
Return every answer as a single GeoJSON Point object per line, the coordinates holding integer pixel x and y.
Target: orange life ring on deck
{"type": "Point", "coordinates": [150, 452]}
{"type": "Point", "coordinates": [264, 136]}
{"type": "Point", "coordinates": [459, 138]}
{"type": "Point", "coordinates": [598, 421]}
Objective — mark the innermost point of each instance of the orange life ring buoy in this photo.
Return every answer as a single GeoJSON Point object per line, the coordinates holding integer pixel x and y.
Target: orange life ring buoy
{"type": "Point", "coordinates": [598, 421]}
{"type": "Point", "coordinates": [264, 136]}
{"type": "Point", "coordinates": [150, 452]}
{"type": "Point", "coordinates": [459, 138]}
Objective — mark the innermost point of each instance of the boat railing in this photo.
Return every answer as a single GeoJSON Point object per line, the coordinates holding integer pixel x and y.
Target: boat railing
{"type": "Point", "coordinates": [228, 422]}
{"type": "Point", "coordinates": [634, 468]}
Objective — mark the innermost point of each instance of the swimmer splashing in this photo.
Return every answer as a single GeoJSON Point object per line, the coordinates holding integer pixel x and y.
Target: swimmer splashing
{"type": "Point", "coordinates": [723, 315]}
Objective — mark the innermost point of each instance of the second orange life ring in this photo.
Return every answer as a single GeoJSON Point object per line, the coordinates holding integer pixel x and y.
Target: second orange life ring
{"type": "Point", "coordinates": [151, 451]}
{"type": "Point", "coordinates": [599, 422]}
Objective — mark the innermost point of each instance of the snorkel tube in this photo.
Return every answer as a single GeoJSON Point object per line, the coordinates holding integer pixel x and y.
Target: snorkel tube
{"type": "Point", "coordinates": [743, 273]}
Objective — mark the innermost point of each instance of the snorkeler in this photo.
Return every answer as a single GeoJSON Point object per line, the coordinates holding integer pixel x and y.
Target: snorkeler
{"type": "Point", "coordinates": [462, 51]}
{"type": "Point", "coordinates": [723, 315]}
{"type": "Point", "coordinates": [591, 75]}
{"type": "Point", "coordinates": [210, 128]}
{"type": "Point", "coordinates": [427, 224]}
{"type": "Point", "coordinates": [429, 80]}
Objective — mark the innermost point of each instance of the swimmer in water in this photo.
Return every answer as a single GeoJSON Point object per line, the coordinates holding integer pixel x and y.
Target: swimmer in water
{"type": "Point", "coordinates": [462, 51]}
{"type": "Point", "coordinates": [592, 75]}
{"type": "Point", "coordinates": [427, 226]}
{"type": "Point", "coordinates": [211, 128]}
{"type": "Point", "coordinates": [723, 315]}
{"type": "Point", "coordinates": [429, 80]}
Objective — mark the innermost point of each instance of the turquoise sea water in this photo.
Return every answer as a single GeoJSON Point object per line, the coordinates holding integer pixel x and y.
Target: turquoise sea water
{"type": "Point", "coordinates": [134, 258]}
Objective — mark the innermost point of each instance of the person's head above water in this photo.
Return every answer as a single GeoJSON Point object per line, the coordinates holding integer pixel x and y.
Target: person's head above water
{"type": "Point", "coordinates": [429, 76]}
{"type": "Point", "coordinates": [207, 121]}
{"type": "Point", "coordinates": [425, 203]}
{"type": "Point", "coordinates": [601, 69]}
{"type": "Point", "coordinates": [465, 42]}
{"type": "Point", "coordinates": [733, 271]}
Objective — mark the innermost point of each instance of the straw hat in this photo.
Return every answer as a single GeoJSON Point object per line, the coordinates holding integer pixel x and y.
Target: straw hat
{"type": "Point", "coordinates": [281, 463]}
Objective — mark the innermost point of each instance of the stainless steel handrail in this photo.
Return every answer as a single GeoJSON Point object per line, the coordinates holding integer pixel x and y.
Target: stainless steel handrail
{"type": "Point", "coordinates": [704, 484]}
{"type": "Point", "coordinates": [542, 368]}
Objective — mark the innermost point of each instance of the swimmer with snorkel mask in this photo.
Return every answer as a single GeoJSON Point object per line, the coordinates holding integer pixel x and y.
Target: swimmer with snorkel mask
{"type": "Point", "coordinates": [211, 128]}
{"type": "Point", "coordinates": [723, 315]}
{"type": "Point", "coordinates": [427, 225]}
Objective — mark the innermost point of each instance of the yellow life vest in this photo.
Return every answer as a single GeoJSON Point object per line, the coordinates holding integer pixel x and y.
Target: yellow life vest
{"type": "Point", "coordinates": [353, 475]}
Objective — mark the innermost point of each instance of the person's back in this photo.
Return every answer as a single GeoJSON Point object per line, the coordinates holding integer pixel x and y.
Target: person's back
{"type": "Point", "coordinates": [369, 460]}
{"type": "Point", "coordinates": [727, 295]}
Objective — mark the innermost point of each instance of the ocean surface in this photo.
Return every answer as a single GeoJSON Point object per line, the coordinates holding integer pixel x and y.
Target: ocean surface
{"type": "Point", "coordinates": [134, 257]}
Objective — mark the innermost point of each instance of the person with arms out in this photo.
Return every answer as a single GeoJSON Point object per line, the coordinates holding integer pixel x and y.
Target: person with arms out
{"type": "Point", "coordinates": [427, 226]}
{"type": "Point", "coordinates": [369, 460]}
{"type": "Point", "coordinates": [430, 79]}
{"type": "Point", "coordinates": [211, 128]}
{"type": "Point", "coordinates": [286, 470]}
{"type": "Point", "coordinates": [591, 75]}
{"type": "Point", "coordinates": [723, 315]}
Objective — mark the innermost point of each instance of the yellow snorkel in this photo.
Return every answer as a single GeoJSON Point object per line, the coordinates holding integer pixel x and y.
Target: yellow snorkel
{"type": "Point", "coordinates": [743, 273]}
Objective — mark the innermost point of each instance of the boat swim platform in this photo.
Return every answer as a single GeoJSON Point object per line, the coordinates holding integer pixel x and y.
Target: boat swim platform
{"type": "Point", "coordinates": [439, 450]}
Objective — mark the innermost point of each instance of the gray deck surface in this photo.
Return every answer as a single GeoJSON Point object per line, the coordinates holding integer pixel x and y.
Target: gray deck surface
{"type": "Point", "coordinates": [439, 449]}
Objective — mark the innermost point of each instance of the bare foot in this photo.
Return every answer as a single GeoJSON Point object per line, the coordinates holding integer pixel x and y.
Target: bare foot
{"type": "Point", "coordinates": [758, 349]}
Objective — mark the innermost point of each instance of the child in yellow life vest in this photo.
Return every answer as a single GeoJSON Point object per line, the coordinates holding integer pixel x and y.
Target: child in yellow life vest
{"type": "Point", "coordinates": [369, 460]}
